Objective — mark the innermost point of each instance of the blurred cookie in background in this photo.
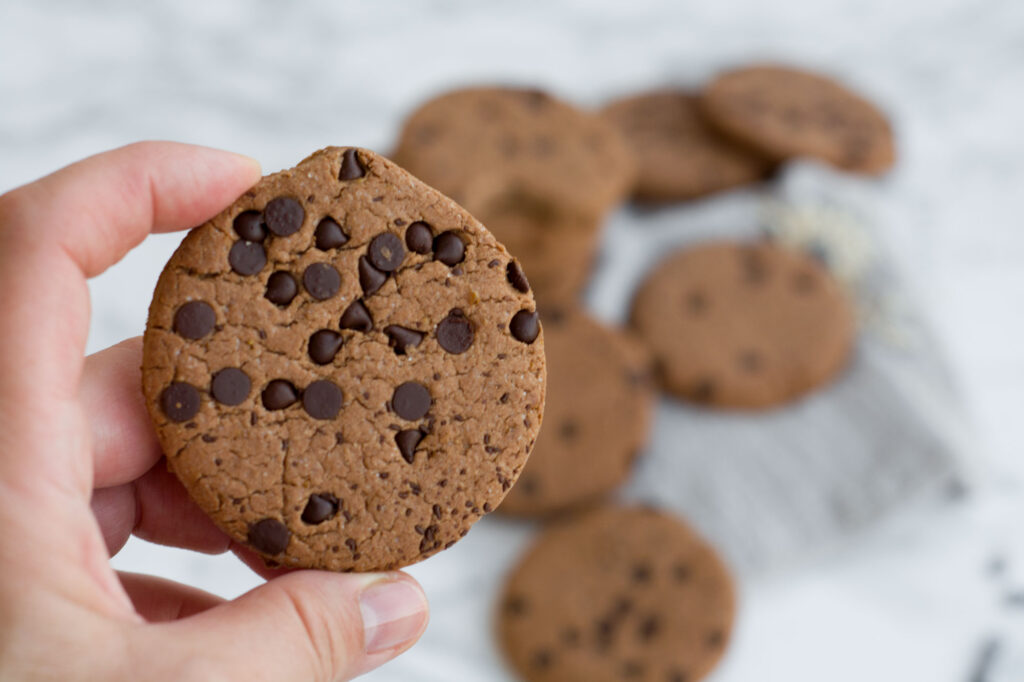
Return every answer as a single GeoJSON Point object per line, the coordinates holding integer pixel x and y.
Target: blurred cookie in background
{"type": "Point", "coordinates": [787, 113]}
{"type": "Point", "coordinates": [620, 593]}
{"type": "Point", "coordinates": [743, 325]}
{"type": "Point", "coordinates": [597, 416]}
{"type": "Point", "coordinates": [679, 155]}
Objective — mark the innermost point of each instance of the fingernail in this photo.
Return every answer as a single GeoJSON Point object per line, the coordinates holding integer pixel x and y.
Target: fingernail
{"type": "Point", "coordinates": [394, 612]}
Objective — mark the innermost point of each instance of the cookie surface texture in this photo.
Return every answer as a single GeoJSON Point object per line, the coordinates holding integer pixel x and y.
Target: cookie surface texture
{"type": "Point", "coordinates": [619, 594]}
{"type": "Point", "coordinates": [597, 416]}
{"type": "Point", "coordinates": [339, 368]}
{"type": "Point", "coordinates": [788, 113]}
{"type": "Point", "coordinates": [679, 155]}
{"type": "Point", "coordinates": [743, 325]}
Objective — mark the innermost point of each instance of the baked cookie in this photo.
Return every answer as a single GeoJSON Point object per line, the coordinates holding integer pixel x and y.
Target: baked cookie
{"type": "Point", "coordinates": [786, 113]}
{"type": "Point", "coordinates": [679, 156]}
{"type": "Point", "coordinates": [597, 416]}
{"type": "Point", "coordinates": [345, 369]}
{"type": "Point", "coordinates": [618, 594]}
{"type": "Point", "coordinates": [743, 325]}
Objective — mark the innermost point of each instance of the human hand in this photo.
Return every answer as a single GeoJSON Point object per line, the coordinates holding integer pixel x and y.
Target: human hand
{"type": "Point", "coordinates": [80, 467]}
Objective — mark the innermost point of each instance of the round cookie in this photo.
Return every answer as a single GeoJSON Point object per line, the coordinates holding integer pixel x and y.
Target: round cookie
{"type": "Point", "coordinates": [679, 156]}
{"type": "Point", "coordinates": [340, 367]}
{"type": "Point", "coordinates": [618, 594]}
{"type": "Point", "coordinates": [743, 325]}
{"type": "Point", "coordinates": [787, 113]}
{"type": "Point", "coordinates": [597, 416]}
{"type": "Point", "coordinates": [478, 144]}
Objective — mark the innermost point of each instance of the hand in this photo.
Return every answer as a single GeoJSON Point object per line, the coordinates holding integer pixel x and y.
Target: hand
{"type": "Point", "coordinates": [75, 430]}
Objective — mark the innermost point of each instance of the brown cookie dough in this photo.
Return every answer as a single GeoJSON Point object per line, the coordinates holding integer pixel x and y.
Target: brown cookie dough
{"type": "Point", "coordinates": [340, 368]}
{"type": "Point", "coordinates": [597, 416]}
{"type": "Point", "coordinates": [679, 155]}
{"type": "Point", "coordinates": [787, 113]}
{"type": "Point", "coordinates": [743, 325]}
{"type": "Point", "coordinates": [618, 594]}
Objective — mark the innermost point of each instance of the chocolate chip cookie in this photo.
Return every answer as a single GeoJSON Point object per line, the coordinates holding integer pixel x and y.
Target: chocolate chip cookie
{"type": "Point", "coordinates": [679, 155]}
{"type": "Point", "coordinates": [597, 416]}
{"type": "Point", "coordinates": [618, 594]}
{"type": "Point", "coordinates": [786, 113]}
{"type": "Point", "coordinates": [743, 325]}
{"type": "Point", "coordinates": [345, 369]}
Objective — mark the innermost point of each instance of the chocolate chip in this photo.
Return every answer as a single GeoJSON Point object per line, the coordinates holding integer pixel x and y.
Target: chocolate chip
{"type": "Point", "coordinates": [179, 401]}
{"type": "Point", "coordinates": [455, 333]}
{"type": "Point", "coordinates": [632, 669]}
{"type": "Point", "coordinates": [754, 268]}
{"type": "Point", "coordinates": [269, 536]}
{"type": "Point", "coordinates": [356, 317]}
{"type": "Point", "coordinates": [703, 391]}
{"type": "Point", "coordinates": [419, 237]}
{"type": "Point", "coordinates": [411, 400]}
{"type": "Point", "coordinates": [319, 508]}
{"type": "Point", "coordinates": [247, 258]}
{"type": "Point", "coordinates": [370, 278]}
{"type": "Point", "coordinates": [407, 441]}
{"type": "Point", "coordinates": [649, 627]}
{"type": "Point", "coordinates": [401, 338]}
{"type": "Point", "coordinates": [804, 282]}
{"type": "Point", "coordinates": [386, 252]}
{"type": "Point", "coordinates": [230, 386]}
{"type": "Point", "coordinates": [750, 361]}
{"type": "Point", "coordinates": [194, 320]}
{"type": "Point", "coordinates": [570, 427]}
{"type": "Point", "coordinates": [681, 573]}
{"type": "Point", "coordinates": [516, 277]}
{"type": "Point", "coordinates": [542, 659]}
{"type": "Point", "coordinates": [321, 281]}
{"type": "Point", "coordinates": [322, 400]}
{"type": "Point", "coordinates": [329, 235]}
{"type": "Point", "coordinates": [351, 166]}
{"type": "Point", "coordinates": [716, 638]}
{"type": "Point", "coordinates": [323, 346]}
{"type": "Point", "coordinates": [515, 605]}
{"type": "Point", "coordinates": [449, 248]}
{"type": "Point", "coordinates": [284, 216]}
{"type": "Point", "coordinates": [279, 394]}
{"type": "Point", "coordinates": [641, 573]}
{"type": "Point", "coordinates": [525, 326]}
{"type": "Point", "coordinates": [696, 302]}
{"type": "Point", "coordinates": [249, 226]}
{"type": "Point", "coordinates": [281, 288]}
{"type": "Point", "coordinates": [677, 676]}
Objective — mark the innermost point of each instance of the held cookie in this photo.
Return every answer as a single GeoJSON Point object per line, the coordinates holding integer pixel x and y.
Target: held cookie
{"type": "Point", "coordinates": [618, 594]}
{"type": "Point", "coordinates": [344, 368]}
{"type": "Point", "coordinates": [679, 155]}
{"type": "Point", "coordinates": [597, 416]}
{"type": "Point", "coordinates": [743, 326]}
{"type": "Point", "coordinates": [787, 113]}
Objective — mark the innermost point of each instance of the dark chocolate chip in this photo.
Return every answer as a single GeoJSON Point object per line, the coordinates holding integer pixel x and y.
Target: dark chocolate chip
{"type": "Point", "coordinates": [321, 281]}
{"type": "Point", "coordinates": [269, 536]}
{"type": "Point", "coordinates": [386, 252]}
{"type": "Point", "coordinates": [407, 441]}
{"type": "Point", "coordinates": [351, 166]}
{"type": "Point", "coordinates": [279, 394]}
{"type": "Point", "coordinates": [370, 278]}
{"type": "Point", "coordinates": [677, 676]}
{"type": "Point", "coordinates": [419, 237]}
{"type": "Point", "coordinates": [323, 346]}
{"type": "Point", "coordinates": [525, 326]}
{"type": "Point", "coordinates": [804, 282]}
{"type": "Point", "coordinates": [449, 248]}
{"type": "Point", "coordinates": [281, 288]}
{"type": "Point", "coordinates": [180, 401]}
{"type": "Point", "coordinates": [649, 627]}
{"type": "Point", "coordinates": [681, 572]}
{"type": "Point", "coordinates": [356, 317]}
{"type": "Point", "coordinates": [570, 427]}
{"type": "Point", "coordinates": [455, 333]}
{"type": "Point", "coordinates": [319, 508]}
{"type": "Point", "coordinates": [703, 391]}
{"type": "Point", "coordinates": [516, 277]}
{"type": "Point", "coordinates": [249, 226]}
{"type": "Point", "coordinates": [641, 573]}
{"type": "Point", "coordinates": [716, 638]}
{"type": "Point", "coordinates": [400, 338]}
{"type": "Point", "coordinates": [411, 400]}
{"type": "Point", "coordinates": [230, 386]}
{"type": "Point", "coordinates": [194, 320]}
{"type": "Point", "coordinates": [696, 302]}
{"type": "Point", "coordinates": [515, 605]}
{"type": "Point", "coordinates": [247, 258]}
{"type": "Point", "coordinates": [750, 361]}
{"type": "Point", "coordinates": [322, 400]}
{"type": "Point", "coordinates": [329, 235]}
{"type": "Point", "coordinates": [284, 216]}
{"type": "Point", "coordinates": [542, 659]}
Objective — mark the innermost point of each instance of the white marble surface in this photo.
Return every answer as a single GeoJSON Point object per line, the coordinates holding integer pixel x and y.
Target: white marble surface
{"type": "Point", "coordinates": [275, 80]}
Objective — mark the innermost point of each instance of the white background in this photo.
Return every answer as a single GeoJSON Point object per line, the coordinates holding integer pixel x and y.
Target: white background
{"type": "Point", "coordinates": [276, 81]}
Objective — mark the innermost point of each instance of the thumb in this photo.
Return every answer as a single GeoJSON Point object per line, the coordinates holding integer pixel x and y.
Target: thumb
{"type": "Point", "coordinates": [305, 625]}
